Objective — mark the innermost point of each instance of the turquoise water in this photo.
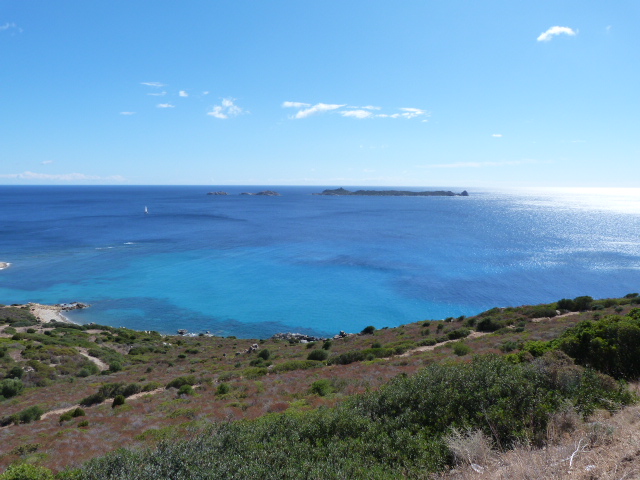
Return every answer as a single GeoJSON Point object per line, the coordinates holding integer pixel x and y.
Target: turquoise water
{"type": "Point", "coordinates": [252, 266]}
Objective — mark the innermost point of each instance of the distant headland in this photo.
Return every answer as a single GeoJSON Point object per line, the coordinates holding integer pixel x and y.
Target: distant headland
{"type": "Point", "coordinates": [393, 193]}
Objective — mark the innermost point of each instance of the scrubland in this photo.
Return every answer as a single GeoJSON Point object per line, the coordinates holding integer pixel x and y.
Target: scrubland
{"type": "Point", "coordinates": [544, 391]}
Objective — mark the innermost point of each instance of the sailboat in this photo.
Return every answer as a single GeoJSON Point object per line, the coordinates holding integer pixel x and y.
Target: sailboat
{"type": "Point", "coordinates": [146, 210]}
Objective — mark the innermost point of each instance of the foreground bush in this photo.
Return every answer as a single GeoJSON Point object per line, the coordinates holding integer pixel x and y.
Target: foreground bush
{"type": "Point", "coordinates": [399, 431]}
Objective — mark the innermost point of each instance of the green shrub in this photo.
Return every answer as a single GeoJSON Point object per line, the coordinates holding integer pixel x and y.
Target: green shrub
{"type": "Point", "coordinates": [459, 333]}
{"type": "Point", "coordinates": [327, 344]}
{"type": "Point", "coordinates": [131, 389]}
{"type": "Point", "coordinates": [10, 387]}
{"type": "Point", "coordinates": [115, 367]}
{"type": "Point", "coordinates": [223, 389]}
{"type": "Point", "coordinates": [180, 381]}
{"type": "Point", "coordinates": [322, 387]}
{"type": "Point", "coordinates": [148, 387]}
{"type": "Point", "coordinates": [93, 399]}
{"type": "Point", "coordinates": [78, 412]}
{"type": "Point", "coordinates": [15, 372]}
{"type": "Point", "coordinates": [319, 355]}
{"type": "Point", "coordinates": [26, 471]}
{"type": "Point", "coordinates": [610, 344]}
{"type": "Point", "coordinates": [264, 354]}
{"type": "Point", "coordinates": [83, 424]}
{"type": "Point", "coordinates": [427, 342]}
{"type": "Point", "coordinates": [461, 349]}
{"type": "Point", "coordinates": [65, 417]}
{"type": "Point", "coordinates": [186, 390]}
{"type": "Point", "coordinates": [28, 415]}
{"type": "Point", "coordinates": [117, 401]}
{"type": "Point", "coordinates": [368, 330]}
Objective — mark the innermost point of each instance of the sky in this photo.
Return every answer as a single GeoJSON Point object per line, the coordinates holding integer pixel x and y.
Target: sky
{"type": "Point", "coordinates": [333, 93]}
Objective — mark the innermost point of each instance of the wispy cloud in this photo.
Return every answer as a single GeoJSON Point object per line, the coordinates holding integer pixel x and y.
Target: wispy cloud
{"type": "Point", "coordinates": [10, 26]}
{"type": "Point", "coordinates": [295, 104]}
{"type": "Point", "coordinates": [157, 94]}
{"type": "Point", "coordinates": [356, 113]}
{"type": "Point", "coordinates": [306, 110]}
{"type": "Point", "coordinates": [46, 162]}
{"type": "Point", "coordinates": [183, 93]}
{"type": "Point", "coordinates": [165, 105]}
{"type": "Point", "coordinates": [479, 164]}
{"type": "Point", "coordinates": [127, 113]}
{"type": "Point", "coordinates": [554, 31]}
{"type": "Point", "coordinates": [317, 108]}
{"type": "Point", "coordinates": [227, 109]}
{"type": "Point", "coordinates": [153, 84]}
{"type": "Point", "coordinates": [65, 177]}
{"type": "Point", "coordinates": [497, 135]}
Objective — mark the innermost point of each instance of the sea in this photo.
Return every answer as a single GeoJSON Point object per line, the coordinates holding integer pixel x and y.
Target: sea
{"type": "Point", "coordinates": [252, 266]}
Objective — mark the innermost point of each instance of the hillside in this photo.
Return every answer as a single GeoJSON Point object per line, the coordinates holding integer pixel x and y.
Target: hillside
{"type": "Point", "coordinates": [358, 393]}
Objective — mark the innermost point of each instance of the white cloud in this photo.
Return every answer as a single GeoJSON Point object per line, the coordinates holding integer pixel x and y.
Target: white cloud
{"type": "Point", "coordinates": [357, 113]}
{"type": "Point", "coordinates": [159, 94]}
{"type": "Point", "coordinates": [306, 109]}
{"type": "Point", "coordinates": [554, 31]}
{"type": "Point", "coordinates": [165, 105]}
{"type": "Point", "coordinates": [66, 177]}
{"type": "Point", "coordinates": [127, 113]}
{"type": "Point", "coordinates": [226, 109]}
{"type": "Point", "coordinates": [295, 104]}
{"type": "Point", "coordinates": [46, 162]}
{"type": "Point", "coordinates": [182, 93]}
{"type": "Point", "coordinates": [205, 93]}
{"type": "Point", "coordinates": [153, 84]}
{"type": "Point", "coordinates": [497, 135]}
{"type": "Point", "coordinates": [10, 26]}
{"type": "Point", "coordinates": [412, 112]}
{"type": "Point", "coordinates": [317, 108]}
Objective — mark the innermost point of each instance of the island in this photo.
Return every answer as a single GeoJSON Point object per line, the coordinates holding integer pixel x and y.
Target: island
{"type": "Point", "coordinates": [393, 193]}
{"type": "Point", "coordinates": [268, 193]}
{"type": "Point", "coordinates": [217, 193]}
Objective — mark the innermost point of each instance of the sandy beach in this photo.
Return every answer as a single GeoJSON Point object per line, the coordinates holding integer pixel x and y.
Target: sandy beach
{"type": "Point", "coordinates": [48, 313]}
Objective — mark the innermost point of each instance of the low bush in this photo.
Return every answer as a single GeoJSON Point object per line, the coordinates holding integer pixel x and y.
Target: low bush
{"type": "Point", "coordinates": [93, 399]}
{"type": "Point", "coordinates": [117, 401]}
{"type": "Point", "coordinates": [180, 381]}
{"type": "Point", "coordinates": [10, 387]}
{"type": "Point", "coordinates": [26, 471]}
{"type": "Point", "coordinates": [319, 355]}
{"type": "Point", "coordinates": [186, 390]}
{"type": "Point", "coordinates": [322, 387]}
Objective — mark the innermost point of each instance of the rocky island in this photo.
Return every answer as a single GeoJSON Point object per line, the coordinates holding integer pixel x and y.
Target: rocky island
{"type": "Point", "coordinates": [268, 193]}
{"type": "Point", "coordinates": [217, 193]}
{"type": "Point", "coordinates": [393, 193]}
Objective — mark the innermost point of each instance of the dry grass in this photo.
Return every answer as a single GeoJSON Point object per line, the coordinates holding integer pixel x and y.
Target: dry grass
{"type": "Point", "coordinates": [607, 447]}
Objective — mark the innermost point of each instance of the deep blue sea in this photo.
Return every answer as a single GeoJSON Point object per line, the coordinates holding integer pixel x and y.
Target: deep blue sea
{"type": "Point", "coordinates": [252, 266]}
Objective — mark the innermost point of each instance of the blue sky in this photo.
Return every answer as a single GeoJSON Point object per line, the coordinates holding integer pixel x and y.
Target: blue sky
{"type": "Point", "coordinates": [410, 93]}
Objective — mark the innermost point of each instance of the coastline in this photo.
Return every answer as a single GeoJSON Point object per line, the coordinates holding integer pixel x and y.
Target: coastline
{"type": "Point", "coordinates": [52, 313]}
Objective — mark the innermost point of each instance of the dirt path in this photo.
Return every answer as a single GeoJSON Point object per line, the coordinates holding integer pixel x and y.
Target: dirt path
{"type": "Point", "coordinates": [99, 363]}
{"type": "Point", "coordinates": [432, 347]}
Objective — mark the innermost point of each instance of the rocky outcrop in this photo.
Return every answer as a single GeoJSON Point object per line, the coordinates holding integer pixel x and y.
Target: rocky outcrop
{"type": "Point", "coordinates": [217, 193]}
{"type": "Point", "coordinates": [296, 337]}
{"type": "Point", "coordinates": [268, 193]}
